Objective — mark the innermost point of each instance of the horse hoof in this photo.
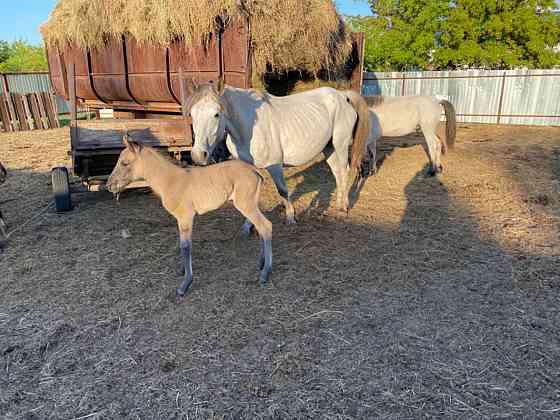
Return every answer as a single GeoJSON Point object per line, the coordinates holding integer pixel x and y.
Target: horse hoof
{"type": "Point", "coordinates": [291, 221]}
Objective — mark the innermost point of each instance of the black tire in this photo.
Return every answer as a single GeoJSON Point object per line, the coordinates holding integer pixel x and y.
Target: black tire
{"type": "Point", "coordinates": [61, 189]}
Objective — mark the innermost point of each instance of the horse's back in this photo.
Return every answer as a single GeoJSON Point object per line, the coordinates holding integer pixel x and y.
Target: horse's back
{"type": "Point", "coordinates": [400, 115]}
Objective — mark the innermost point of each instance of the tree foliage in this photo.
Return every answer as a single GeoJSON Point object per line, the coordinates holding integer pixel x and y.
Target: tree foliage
{"type": "Point", "coordinates": [21, 56]}
{"type": "Point", "coordinates": [442, 34]}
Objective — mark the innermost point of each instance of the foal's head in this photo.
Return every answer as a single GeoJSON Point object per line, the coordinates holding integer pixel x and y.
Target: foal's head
{"type": "Point", "coordinates": [129, 167]}
{"type": "Point", "coordinates": [3, 174]}
{"type": "Point", "coordinates": [208, 119]}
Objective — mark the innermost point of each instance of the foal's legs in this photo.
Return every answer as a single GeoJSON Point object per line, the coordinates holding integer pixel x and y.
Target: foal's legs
{"type": "Point", "coordinates": [263, 226]}
{"type": "Point", "coordinates": [185, 235]}
{"type": "Point", "coordinates": [3, 226]}
{"type": "Point", "coordinates": [277, 174]}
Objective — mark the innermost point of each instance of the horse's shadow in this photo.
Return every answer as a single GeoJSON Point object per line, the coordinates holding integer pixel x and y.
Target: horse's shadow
{"type": "Point", "coordinates": [320, 174]}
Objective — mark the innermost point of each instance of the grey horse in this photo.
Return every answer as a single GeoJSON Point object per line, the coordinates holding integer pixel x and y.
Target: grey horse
{"type": "Point", "coordinates": [270, 132]}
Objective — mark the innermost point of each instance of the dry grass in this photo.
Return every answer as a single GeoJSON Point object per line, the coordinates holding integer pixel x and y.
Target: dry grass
{"type": "Point", "coordinates": [286, 34]}
{"type": "Point", "coordinates": [435, 298]}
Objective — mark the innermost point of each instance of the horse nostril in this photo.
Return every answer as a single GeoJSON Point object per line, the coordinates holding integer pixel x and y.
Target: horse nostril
{"type": "Point", "coordinates": [205, 155]}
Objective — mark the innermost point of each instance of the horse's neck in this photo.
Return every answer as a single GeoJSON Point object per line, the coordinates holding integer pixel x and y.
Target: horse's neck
{"type": "Point", "coordinates": [157, 171]}
{"type": "Point", "coordinates": [241, 107]}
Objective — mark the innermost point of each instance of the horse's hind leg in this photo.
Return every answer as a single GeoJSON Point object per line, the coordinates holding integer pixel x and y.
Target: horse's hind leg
{"type": "Point", "coordinates": [277, 174]}
{"type": "Point", "coordinates": [434, 151]}
{"type": "Point", "coordinates": [185, 234]}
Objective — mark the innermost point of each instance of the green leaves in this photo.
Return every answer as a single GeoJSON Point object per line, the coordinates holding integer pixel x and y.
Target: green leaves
{"type": "Point", "coordinates": [21, 56]}
{"type": "Point", "coordinates": [442, 34]}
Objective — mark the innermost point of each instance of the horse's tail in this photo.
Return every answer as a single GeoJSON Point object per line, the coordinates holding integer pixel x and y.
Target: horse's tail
{"type": "Point", "coordinates": [361, 133]}
{"type": "Point", "coordinates": [450, 124]}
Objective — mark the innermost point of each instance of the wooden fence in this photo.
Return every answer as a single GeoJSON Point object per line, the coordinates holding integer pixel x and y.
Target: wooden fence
{"type": "Point", "coordinates": [30, 111]}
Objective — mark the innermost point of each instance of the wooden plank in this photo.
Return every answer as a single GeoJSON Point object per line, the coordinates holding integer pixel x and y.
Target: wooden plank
{"type": "Point", "coordinates": [184, 110]}
{"type": "Point", "coordinates": [49, 108]}
{"type": "Point", "coordinates": [28, 114]}
{"type": "Point", "coordinates": [12, 111]}
{"type": "Point", "coordinates": [107, 134]}
{"type": "Point", "coordinates": [20, 111]}
{"type": "Point", "coordinates": [5, 115]}
{"type": "Point", "coordinates": [42, 111]}
{"type": "Point", "coordinates": [54, 108]}
{"type": "Point", "coordinates": [35, 111]}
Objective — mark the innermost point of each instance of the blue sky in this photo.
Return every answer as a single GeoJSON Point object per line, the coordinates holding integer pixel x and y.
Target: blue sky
{"type": "Point", "coordinates": [21, 18]}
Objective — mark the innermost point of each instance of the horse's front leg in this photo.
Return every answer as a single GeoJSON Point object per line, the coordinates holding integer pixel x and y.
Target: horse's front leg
{"type": "Point", "coordinates": [185, 235]}
{"type": "Point", "coordinates": [277, 174]}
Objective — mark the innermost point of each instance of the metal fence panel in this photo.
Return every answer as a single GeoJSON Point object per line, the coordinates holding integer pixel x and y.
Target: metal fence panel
{"type": "Point", "coordinates": [527, 96]}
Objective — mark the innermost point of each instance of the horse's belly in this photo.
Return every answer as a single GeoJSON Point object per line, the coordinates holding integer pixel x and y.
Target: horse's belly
{"type": "Point", "coordinates": [301, 152]}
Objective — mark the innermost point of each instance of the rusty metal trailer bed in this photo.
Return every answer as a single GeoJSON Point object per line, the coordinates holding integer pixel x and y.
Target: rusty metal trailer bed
{"type": "Point", "coordinates": [145, 87]}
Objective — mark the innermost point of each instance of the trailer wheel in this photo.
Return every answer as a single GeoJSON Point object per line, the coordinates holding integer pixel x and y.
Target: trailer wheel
{"type": "Point", "coordinates": [61, 189]}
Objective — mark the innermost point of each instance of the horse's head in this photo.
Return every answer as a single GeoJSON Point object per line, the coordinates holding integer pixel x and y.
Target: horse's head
{"type": "Point", "coordinates": [208, 119]}
{"type": "Point", "coordinates": [3, 174]}
{"type": "Point", "coordinates": [129, 167]}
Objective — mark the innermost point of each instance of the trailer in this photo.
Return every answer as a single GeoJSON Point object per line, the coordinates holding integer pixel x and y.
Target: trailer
{"type": "Point", "coordinates": [144, 87]}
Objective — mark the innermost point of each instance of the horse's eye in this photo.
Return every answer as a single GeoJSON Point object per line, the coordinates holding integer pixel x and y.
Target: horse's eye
{"type": "Point", "coordinates": [217, 116]}
{"type": "Point", "coordinates": [125, 163]}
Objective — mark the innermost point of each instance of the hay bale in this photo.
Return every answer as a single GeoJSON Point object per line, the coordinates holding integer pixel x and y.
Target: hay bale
{"type": "Point", "coordinates": [285, 34]}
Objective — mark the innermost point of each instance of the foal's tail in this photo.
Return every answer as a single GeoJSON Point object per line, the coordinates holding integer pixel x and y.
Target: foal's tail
{"type": "Point", "coordinates": [361, 133]}
{"type": "Point", "coordinates": [450, 125]}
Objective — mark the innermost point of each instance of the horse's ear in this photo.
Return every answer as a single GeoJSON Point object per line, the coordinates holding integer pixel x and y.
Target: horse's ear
{"type": "Point", "coordinates": [131, 145]}
{"type": "Point", "coordinates": [126, 140]}
{"type": "Point", "coordinates": [192, 86]}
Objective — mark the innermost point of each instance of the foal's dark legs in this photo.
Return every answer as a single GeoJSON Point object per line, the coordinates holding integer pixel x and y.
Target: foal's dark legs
{"type": "Point", "coordinates": [3, 226]}
{"type": "Point", "coordinates": [185, 234]}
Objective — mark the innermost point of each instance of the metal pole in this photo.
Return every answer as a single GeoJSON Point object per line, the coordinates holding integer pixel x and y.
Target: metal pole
{"type": "Point", "coordinates": [403, 83]}
{"type": "Point", "coordinates": [501, 98]}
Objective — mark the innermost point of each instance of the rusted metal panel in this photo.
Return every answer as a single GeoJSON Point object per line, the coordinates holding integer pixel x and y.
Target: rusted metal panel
{"type": "Point", "coordinates": [73, 55]}
{"type": "Point", "coordinates": [200, 63]}
{"type": "Point", "coordinates": [235, 54]}
{"type": "Point", "coordinates": [147, 72]}
{"type": "Point", "coordinates": [57, 73]}
{"type": "Point", "coordinates": [108, 72]}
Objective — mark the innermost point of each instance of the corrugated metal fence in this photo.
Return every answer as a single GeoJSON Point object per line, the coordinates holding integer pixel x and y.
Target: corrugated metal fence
{"type": "Point", "coordinates": [486, 96]}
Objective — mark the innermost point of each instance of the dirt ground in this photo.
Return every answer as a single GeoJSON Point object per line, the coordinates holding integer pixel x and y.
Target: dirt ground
{"type": "Point", "coordinates": [435, 297]}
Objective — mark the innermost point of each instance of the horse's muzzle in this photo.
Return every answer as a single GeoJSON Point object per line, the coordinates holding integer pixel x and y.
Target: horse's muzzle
{"type": "Point", "coordinates": [200, 157]}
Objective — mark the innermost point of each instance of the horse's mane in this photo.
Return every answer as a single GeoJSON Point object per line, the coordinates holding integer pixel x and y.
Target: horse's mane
{"type": "Point", "coordinates": [373, 101]}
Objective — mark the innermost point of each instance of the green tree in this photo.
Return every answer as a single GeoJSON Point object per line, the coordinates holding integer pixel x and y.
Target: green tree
{"type": "Point", "coordinates": [21, 57]}
{"type": "Point", "coordinates": [5, 51]}
{"type": "Point", "coordinates": [443, 34]}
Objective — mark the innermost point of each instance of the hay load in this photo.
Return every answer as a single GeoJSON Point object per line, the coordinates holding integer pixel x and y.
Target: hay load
{"type": "Point", "coordinates": [304, 35]}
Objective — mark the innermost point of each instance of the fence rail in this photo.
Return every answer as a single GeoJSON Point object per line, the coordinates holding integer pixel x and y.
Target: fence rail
{"type": "Point", "coordinates": [487, 96]}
